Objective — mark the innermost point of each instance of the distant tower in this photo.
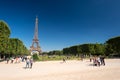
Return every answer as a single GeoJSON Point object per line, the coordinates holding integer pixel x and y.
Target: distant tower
{"type": "Point", "coordinates": [35, 44]}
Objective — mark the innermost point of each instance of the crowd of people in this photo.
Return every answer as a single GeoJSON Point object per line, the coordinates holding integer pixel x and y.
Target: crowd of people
{"type": "Point", "coordinates": [98, 61]}
{"type": "Point", "coordinates": [29, 61]}
{"type": "Point", "coordinates": [14, 60]}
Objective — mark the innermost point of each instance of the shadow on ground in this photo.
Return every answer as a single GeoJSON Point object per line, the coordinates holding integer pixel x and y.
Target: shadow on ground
{"type": "Point", "coordinates": [90, 65]}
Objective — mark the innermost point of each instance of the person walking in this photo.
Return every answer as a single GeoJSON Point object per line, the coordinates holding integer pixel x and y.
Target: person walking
{"type": "Point", "coordinates": [64, 61]}
{"type": "Point", "coordinates": [103, 61]}
{"type": "Point", "coordinates": [7, 60]}
{"type": "Point", "coordinates": [98, 61]}
{"type": "Point", "coordinates": [12, 59]}
{"type": "Point", "coordinates": [27, 62]}
{"type": "Point", "coordinates": [31, 62]}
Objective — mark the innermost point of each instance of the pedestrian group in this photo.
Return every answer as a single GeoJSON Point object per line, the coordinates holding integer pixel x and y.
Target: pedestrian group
{"type": "Point", "coordinates": [29, 61]}
{"type": "Point", "coordinates": [98, 61]}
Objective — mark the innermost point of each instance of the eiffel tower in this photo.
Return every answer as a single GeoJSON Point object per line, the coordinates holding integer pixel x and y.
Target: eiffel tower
{"type": "Point", "coordinates": [35, 44]}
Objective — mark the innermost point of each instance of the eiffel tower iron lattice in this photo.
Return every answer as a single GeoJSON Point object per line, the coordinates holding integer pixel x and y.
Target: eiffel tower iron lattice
{"type": "Point", "coordinates": [35, 40]}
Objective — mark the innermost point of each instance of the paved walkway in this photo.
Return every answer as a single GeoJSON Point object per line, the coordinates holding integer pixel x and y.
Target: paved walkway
{"type": "Point", "coordinates": [57, 70]}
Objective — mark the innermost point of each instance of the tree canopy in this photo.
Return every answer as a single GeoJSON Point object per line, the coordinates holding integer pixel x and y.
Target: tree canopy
{"type": "Point", "coordinates": [10, 46]}
{"type": "Point", "coordinates": [113, 46]}
{"type": "Point", "coordinates": [4, 29]}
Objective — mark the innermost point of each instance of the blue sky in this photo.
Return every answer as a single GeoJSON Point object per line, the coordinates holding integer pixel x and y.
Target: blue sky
{"type": "Point", "coordinates": [62, 23]}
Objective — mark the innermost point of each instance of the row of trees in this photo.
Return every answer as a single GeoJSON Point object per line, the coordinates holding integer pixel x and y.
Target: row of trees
{"type": "Point", "coordinates": [110, 47]}
{"type": "Point", "coordinates": [54, 52]}
{"type": "Point", "coordinates": [10, 46]}
{"type": "Point", "coordinates": [85, 49]}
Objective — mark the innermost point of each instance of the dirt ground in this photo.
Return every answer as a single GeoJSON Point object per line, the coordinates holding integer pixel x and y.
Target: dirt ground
{"type": "Point", "coordinates": [57, 70]}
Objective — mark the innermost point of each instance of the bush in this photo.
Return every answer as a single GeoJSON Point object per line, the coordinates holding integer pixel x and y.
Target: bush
{"type": "Point", "coordinates": [35, 57]}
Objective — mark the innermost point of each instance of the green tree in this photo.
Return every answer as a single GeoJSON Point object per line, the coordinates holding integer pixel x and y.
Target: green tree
{"type": "Point", "coordinates": [4, 29]}
{"type": "Point", "coordinates": [91, 49]}
{"type": "Point", "coordinates": [4, 38]}
{"type": "Point", "coordinates": [79, 50]}
{"type": "Point", "coordinates": [73, 50]}
{"type": "Point", "coordinates": [17, 47]}
{"type": "Point", "coordinates": [85, 49]}
{"type": "Point", "coordinates": [99, 49]}
{"type": "Point", "coordinates": [113, 46]}
{"type": "Point", "coordinates": [10, 46]}
{"type": "Point", "coordinates": [66, 51]}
